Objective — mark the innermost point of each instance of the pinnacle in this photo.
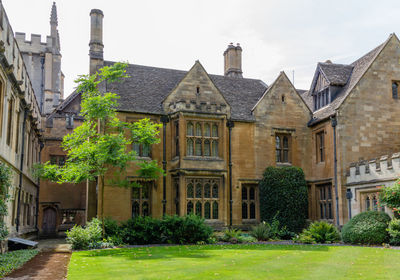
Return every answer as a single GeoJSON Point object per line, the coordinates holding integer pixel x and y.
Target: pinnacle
{"type": "Point", "coordinates": [53, 16]}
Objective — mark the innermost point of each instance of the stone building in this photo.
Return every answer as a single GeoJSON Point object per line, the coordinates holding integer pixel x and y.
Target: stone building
{"type": "Point", "coordinates": [364, 180]}
{"type": "Point", "coordinates": [220, 132]}
{"type": "Point", "coordinates": [43, 60]}
{"type": "Point", "coordinates": [20, 125]}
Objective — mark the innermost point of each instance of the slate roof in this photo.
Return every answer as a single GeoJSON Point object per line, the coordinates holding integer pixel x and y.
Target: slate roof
{"type": "Point", "coordinates": [147, 87]}
{"type": "Point", "coordinates": [336, 74]}
{"type": "Point", "coordinates": [359, 66]}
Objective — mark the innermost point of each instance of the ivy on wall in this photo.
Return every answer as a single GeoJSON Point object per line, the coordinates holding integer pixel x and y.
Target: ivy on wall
{"type": "Point", "coordinates": [5, 183]}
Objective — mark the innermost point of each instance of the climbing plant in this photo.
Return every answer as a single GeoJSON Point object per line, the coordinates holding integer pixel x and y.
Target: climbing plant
{"type": "Point", "coordinates": [5, 184]}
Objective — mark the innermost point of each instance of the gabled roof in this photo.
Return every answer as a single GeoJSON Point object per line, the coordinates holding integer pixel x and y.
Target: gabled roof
{"type": "Point", "coordinates": [147, 87]}
{"type": "Point", "coordinates": [65, 103]}
{"type": "Point", "coordinates": [360, 66]}
{"type": "Point", "coordinates": [336, 74]}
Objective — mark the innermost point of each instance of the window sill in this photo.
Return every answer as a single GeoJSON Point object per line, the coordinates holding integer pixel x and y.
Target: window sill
{"type": "Point", "coordinates": [143, 158]}
{"type": "Point", "coordinates": [283, 164]}
{"type": "Point", "coordinates": [200, 158]}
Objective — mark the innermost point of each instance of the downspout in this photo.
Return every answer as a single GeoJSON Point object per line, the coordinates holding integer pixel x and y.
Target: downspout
{"type": "Point", "coordinates": [21, 168]}
{"type": "Point", "coordinates": [38, 190]}
{"type": "Point", "coordinates": [42, 85]}
{"type": "Point", "coordinates": [164, 120]}
{"type": "Point", "coordinates": [334, 124]}
{"type": "Point", "coordinates": [230, 125]}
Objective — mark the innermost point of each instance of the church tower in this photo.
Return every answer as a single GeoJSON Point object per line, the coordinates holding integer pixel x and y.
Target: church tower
{"type": "Point", "coordinates": [43, 62]}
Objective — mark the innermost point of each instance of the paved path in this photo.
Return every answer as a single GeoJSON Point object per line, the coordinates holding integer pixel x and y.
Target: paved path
{"type": "Point", "coordinates": [50, 264]}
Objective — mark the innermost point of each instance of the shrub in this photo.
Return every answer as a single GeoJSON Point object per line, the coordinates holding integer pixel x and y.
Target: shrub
{"type": "Point", "coordinates": [261, 232]}
{"type": "Point", "coordinates": [319, 232]}
{"type": "Point", "coordinates": [246, 239]}
{"type": "Point", "coordinates": [367, 228]}
{"type": "Point", "coordinates": [88, 237]}
{"type": "Point", "coordinates": [170, 230]}
{"type": "Point", "coordinates": [111, 227]}
{"type": "Point", "coordinates": [394, 231]}
{"type": "Point", "coordinates": [232, 235]}
{"type": "Point", "coordinates": [390, 196]}
{"type": "Point", "coordinates": [283, 190]}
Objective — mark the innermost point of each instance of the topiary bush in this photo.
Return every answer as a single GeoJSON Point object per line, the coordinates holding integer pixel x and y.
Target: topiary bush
{"type": "Point", "coordinates": [283, 190]}
{"type": "Point", "coordinates": [394, 232]}
{"type": "Point", "coordinates": [319, 232]}
{"type": "Point", "coordinates": [367, 228]}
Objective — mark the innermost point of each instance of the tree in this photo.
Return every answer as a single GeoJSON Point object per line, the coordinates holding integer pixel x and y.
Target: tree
{"type": "Point", "coordinates": [99, 145]}
{"type": "Point", "coordinates": [5, 183]}
{"type": "Point", "coordinates": [390, 196]}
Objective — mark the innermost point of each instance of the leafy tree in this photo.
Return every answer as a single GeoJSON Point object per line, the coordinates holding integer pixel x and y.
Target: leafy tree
{"type": "Point", "coordinates": [99, 145]}
{"type": "Point", "coordinates": [5, 183]}
{"type": "Point", "coordinates": [390, 196]}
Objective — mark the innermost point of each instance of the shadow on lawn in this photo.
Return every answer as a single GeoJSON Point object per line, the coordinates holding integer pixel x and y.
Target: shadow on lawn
{"type": "Point", "coordinates": [192, 251]}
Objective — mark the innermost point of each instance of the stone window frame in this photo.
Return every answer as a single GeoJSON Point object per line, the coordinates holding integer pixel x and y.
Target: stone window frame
{"type": "Point", "coordinates": [10, 119]}
{"type": "Point", "coordinates": [283, 152]}
{"type": "Point", "coordinates": [198, 142]}
{"type": "Point", "coordinates": [139, 148]}
{"type": "Point", "coordinates": [193, 198]}
{"type": "Point", "coordinates": [142, 201]}
{"type": "Point", "coordinates": [369, 201]}
{"type": "Point", "coordinates": [2, 99]}
{"type": "Point", "coordinates": [58, 159]}
{"type": "Point", "coordinates": [248, 201]}
{"type": "Point", "coordinates": [320, 146]}
{"type": "Point", "coordinates": [325, 201]}
{"type": "Point", "coordinates": [321, 98]}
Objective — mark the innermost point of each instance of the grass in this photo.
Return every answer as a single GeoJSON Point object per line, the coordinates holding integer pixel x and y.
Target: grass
{"type": "Point", "coordinates": [237, 262]}
{"type": "Point", "coordinates": [14, 259]}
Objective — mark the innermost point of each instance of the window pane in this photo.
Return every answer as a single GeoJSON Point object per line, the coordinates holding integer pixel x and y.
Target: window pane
{"type": "Point", "coordinates": [199, 191]}
{"type": "Point", "coordinates": [252, 193]}
{"type": "Point", "coordinates": [215, 210]}
{"type": "Point", "coordinates": [207, 131]}
{"type": "Point", "coordinates": [145, 209]}
{"type": "Point", "coordinates": [189, 147]}
{"type": "Point", "coordinates": [330, 216]}
{"type": "Point", "coordinates": [207, 191]}
{"type": "Point", "coordinates": [285, 156]}
{"type": "Point", "coordinates": [207, 148]}
{"type": "Point", "coordinates": [189, 208]}
{"type": "Point", "coordinates": [190, 191]}
{"type": "Point", "coordinates": [367, 204]}
{"type": "Point", "coordinates": [198, 147]}
{"type": "Point", "coordinates": [53, 159]}
{"type": "Point", "coordinates": [146, 150]}
{"type": "Point", "coordinates": [61, 161]}
{"type": "Point", "coordinates": [277, 142]}
{"type": "Point", "coordinates": [244, 210]}
{"type": "Point", "coordinates": [278, 155]}
{"type": "Point", "coordinates": [321, 211]}
{"type": "Point", "coordinates": [215, 191]}
{"type": "Point", "coordinates": [198, 208]}
{"type": "Point", "coordinates": [395, 90]}
{"type": "Point", "coordinates": [198, 129]}
{"type": "Point", "coordinates": [135, 209]}
{"type": "Point", "coordinates": [215, 148]}
{"type": "Point", "coordinates": [252, 210]}
{"type": "Point", "coordinates": [285, 142]}
{"type": "Point", "coordinates": [135, 193]}
{"type": "Point", "coordinates": [244, 193]}
{"type": "Point", "coordinates": [207, 210]}
{"type": "Point", "coordinates": [189, 129]}
{"type": "Point", "coordinates": [145, 192]}
{"type": "Point", "coordinates": [136, 148]}
{"type": "Point", "coordinates": [215, 130]}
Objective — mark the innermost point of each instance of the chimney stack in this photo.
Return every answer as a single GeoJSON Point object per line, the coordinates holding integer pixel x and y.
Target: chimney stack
{"type": "Point", "coordinates": [96, 41]}
{"type": "Point", "coordinates": [233, 61]}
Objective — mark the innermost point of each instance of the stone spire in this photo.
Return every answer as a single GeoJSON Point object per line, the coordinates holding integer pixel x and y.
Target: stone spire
{"type": "Point", "coordinates": [53, 21]}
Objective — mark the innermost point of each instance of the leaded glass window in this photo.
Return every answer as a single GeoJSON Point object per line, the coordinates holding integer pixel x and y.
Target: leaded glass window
{"type": "Point", "coordinates": [140, 197]}
{"type": "Point", "coordinates": [249, 201]}
{"type": "Point", "coordinates": [202, 139]}
{"type": "Point", "coordinates": [203, 198]}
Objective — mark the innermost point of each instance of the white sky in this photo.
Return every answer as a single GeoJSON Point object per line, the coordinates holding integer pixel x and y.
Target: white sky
{"type": "Point", "coordinates": [275, 35]}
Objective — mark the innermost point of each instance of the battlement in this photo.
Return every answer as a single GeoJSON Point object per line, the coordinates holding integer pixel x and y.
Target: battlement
{"type": "Point", "coordinates": [35, 44]}
{"type": "Point", "coordinates": [386, 167]}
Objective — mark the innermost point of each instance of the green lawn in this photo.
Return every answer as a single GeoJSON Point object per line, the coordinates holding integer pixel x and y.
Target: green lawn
{"type": "Point", "coordinates": [237, 262]}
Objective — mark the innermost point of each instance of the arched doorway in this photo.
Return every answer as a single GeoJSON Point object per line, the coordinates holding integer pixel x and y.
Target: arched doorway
{"type": "Point", "coordinates": [49, 221]}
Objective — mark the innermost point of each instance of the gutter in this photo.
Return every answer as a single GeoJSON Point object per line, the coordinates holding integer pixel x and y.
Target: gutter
{"type": "Point", "coordinates": [230, 125]}
{"type": "Point", "coordinates": [38, 190]}
{"type": "Point", "coordinates": [334, 124]}
{"type": "Point", "coordinates": [164, 120]}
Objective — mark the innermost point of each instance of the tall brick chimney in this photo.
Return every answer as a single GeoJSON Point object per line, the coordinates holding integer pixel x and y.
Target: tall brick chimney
{"type": "Point", "coordinates": [96, 40]}
{"type": "Point", "coordinates": [233, 61]}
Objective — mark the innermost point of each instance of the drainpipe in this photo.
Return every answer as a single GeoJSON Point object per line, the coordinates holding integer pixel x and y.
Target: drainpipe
{"type": "Point", "coordinates": [230, 125]}
{"type": "Point", "coordinates": [42, 85]}
{"type": "Point", "coordinates": [38, 189]}
{"type": "Point", "coordinates": [164, 120]}
{"type": "Point", "coordinates": [21, 168]}
{"type": "Point", "coordinates": [334, 124]}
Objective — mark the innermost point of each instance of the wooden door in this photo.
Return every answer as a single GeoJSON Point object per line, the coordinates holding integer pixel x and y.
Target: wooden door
{"type": "Point", "coordinates": [49, 221]}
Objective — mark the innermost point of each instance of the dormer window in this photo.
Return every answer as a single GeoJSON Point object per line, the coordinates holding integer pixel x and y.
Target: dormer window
{"type": "Point", "coordinates": [321, 99]}
{"type": "Point", "coordinates": [395, 90]}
